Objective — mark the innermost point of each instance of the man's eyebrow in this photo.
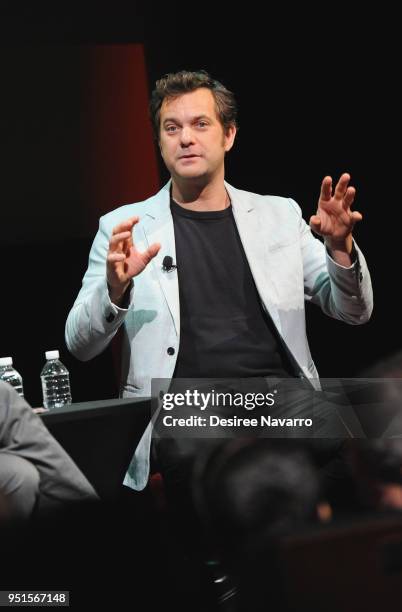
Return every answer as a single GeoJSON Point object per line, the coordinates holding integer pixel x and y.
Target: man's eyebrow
{"type": "Point", "coordinates": [202, 117]}
{"type": "Point", "coordinates": [167, 119]}
{"type": "Point", "coordinates": [197, 118]}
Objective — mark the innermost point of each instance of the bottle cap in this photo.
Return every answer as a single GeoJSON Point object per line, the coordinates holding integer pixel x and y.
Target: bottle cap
{"type": "Point", "coordinates": [4, 361]}
{"type": "Point", "coordinates": [52, 355]}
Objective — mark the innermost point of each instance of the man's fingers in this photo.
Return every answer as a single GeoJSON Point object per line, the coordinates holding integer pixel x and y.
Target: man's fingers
{"type": "Point", "coordinates": [116, 239]}
{"type": "Point", "coordinates": [154, 249]}
{"type": "Point", "coordinates": [341, 186]}
{"type": "Point", "coordinates": [115, 257]}
{"type": "Point", "coordinates": [315, 222]}
{"type": "Point", "coordinates": [349, 197]}
{"type": "Point", "coordinates": [326, 188]}
{"type": "Point", "coordinates": [356, 216]}
{"type": "Point", "coordinates": [151, 252]}
{"type": "Point", "coordinates": [126, 225]}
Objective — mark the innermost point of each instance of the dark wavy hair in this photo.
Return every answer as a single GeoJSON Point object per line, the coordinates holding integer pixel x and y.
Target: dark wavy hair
{"type": "Point", "coordinates": [177, 83]}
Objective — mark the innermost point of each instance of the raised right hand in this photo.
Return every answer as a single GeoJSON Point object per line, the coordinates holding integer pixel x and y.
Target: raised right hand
{"type": "Point", "coordinates": [123, 260]}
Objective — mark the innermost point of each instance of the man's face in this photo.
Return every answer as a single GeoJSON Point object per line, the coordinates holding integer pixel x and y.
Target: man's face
{"type": "Point", "coordinates": [192, 139]}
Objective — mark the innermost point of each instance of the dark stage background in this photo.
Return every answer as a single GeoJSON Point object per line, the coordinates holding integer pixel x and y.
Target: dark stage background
{"type": "Point", "coordinates": [317, 93]}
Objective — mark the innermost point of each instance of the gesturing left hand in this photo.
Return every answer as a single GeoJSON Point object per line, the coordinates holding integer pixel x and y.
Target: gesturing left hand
{"type": "Point", "coordinates": [334, 220]}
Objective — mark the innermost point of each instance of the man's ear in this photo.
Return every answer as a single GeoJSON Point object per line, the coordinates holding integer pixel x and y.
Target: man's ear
{"type": "Point", "coordinates": [230, 135]}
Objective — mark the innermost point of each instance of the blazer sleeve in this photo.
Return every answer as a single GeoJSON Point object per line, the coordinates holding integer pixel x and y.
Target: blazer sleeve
{"type": "Point", "coordinates": [342, 293]}
{"type": "Point", "coordinates": [94, 320]}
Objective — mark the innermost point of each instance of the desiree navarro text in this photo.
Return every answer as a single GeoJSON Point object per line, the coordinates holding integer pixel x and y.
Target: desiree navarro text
{"type": "Point", "coordinates": [235, 421]}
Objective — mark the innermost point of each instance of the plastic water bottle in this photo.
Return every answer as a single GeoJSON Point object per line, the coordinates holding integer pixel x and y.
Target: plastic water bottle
{"type": "Point", "coordinates": [9, 375]}
{"type": "Point", "coordinates": [55, 382]}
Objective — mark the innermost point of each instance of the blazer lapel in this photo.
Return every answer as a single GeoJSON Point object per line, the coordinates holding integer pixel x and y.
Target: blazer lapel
{"type": "Point", "coordinates": [158, 227]}
{"type": "Point", "coordinates": [255, 240]}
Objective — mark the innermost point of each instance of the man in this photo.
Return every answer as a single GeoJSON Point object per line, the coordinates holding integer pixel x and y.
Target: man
{"type": "Point", "coordinates": [36, 474]}
{"type": "Point", "coordinates": [245, 264]}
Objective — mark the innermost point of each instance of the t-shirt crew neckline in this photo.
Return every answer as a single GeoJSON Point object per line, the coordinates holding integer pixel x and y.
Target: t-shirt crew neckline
{"type": "Point", "coordinates": [199, 214]}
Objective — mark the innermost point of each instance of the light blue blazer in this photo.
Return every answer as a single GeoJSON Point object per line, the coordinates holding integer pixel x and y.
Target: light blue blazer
{"type": "Point", "coordinates": [289, 266]}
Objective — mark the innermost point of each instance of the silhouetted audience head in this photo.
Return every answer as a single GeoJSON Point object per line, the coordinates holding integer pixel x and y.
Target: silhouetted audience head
{"type": "Point", "coordinates": [251, 492]}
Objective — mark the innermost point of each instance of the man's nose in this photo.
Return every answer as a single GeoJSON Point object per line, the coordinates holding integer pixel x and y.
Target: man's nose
{"type": "Point", "coordinates": [186, 136]}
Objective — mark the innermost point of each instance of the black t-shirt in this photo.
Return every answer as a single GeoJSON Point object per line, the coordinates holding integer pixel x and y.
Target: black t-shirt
{"type": "Point", "coordinates": [224, 331]}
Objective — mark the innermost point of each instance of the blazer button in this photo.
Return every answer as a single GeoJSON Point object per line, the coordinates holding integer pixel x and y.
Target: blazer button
{"type": "Point", "coordinates": [170, 350]}
{"type": "Point", "coordinates": [110, 317]}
